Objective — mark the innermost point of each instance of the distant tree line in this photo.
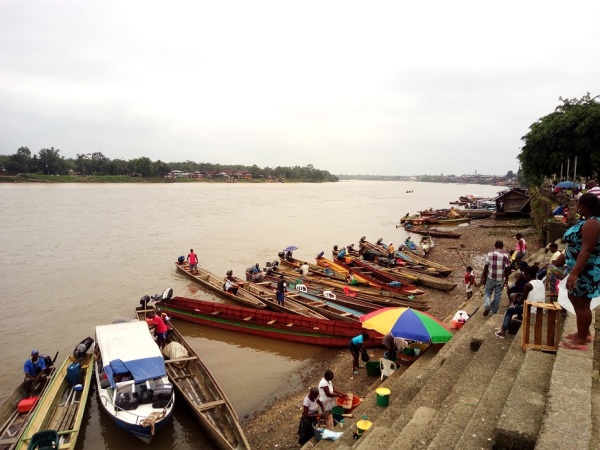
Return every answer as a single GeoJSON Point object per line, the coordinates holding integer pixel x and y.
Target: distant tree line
{"type": "Point", "coordinates": [49, 161]}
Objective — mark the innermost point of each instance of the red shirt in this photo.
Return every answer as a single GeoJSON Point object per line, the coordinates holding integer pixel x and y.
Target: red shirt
{"type": "Point", "coordinates": [193, 258]}
{"type": "Point", "coordinates": [158, 323]}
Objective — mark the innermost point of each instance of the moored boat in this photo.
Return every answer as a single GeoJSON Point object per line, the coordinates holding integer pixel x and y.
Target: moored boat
{"type": "Point", "coordinates": [201, 391]}
{"type": "Point", "coordinates": [131, 379]}
{"type": "Point", "coordinates": [216, 285]}
{"type": "Point", "coordinates": [433, 232]}
{"type": "Point", "coordinates": [18, 408]}
{"type": "Point", "coordinates": [412, 247]}
{"type": "Point", "coordinates": [60, 410]}
{"type": "Point", "coordinates": [270, 324]}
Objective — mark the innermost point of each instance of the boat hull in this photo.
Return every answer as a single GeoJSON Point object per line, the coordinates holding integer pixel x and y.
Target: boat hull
{"type": "Point", "coordinates": [287, 327]}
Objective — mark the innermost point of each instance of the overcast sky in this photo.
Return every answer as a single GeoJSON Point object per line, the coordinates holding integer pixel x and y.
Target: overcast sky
{"type": "Point", "coordinates": [391, 88]}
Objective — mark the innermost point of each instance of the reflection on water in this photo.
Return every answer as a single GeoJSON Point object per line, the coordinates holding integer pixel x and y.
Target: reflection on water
{"type": "Point", "coordinates": [77, 256]}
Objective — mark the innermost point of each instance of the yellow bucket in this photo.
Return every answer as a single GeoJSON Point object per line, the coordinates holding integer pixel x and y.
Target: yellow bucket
{"type": "Point", "coordinates": [383, 396]}
{"type": "Point", "coordinates": [362, 426]}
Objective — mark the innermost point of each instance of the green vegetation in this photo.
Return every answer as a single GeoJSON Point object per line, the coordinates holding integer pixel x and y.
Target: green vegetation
{"type": "Point", "coordinates": [49, 165]}
{"type": "Point", "coordinates": [572, 130]}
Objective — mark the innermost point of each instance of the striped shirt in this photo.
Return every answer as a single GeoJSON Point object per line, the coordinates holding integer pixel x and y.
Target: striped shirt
{"type": "Point", "coordinates": [595, 190]}
{"type": "Point", "coordinates": [497, 261]}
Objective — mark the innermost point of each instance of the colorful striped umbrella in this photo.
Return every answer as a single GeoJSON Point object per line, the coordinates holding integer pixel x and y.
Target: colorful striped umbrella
{"type": "Point", "coordinates": [408, 324]}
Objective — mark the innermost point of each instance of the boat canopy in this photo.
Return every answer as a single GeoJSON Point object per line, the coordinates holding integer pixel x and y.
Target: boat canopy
{"type": "Point", "coordinates": [128, 347]}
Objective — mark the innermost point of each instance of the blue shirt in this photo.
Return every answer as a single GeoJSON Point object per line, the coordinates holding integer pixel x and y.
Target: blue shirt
{"type": "Point", "coordinates": [358, 340]}
{"type": "Point", "coordinates": [33, 368]}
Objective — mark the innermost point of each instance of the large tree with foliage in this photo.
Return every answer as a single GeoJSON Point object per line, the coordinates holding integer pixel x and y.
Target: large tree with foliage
{"type": "Point", "coordinates": [573, 129]}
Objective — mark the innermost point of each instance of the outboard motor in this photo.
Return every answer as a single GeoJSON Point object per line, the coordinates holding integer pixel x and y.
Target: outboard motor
{"type": "Point", "coordinates": [280, 254]}
{"type": "Point", "coordinates": [379, 241]}
{"type": "Point", "coordinates": [144, 301]}
{"type": "Point", "coordinates": [166, 295]}
{"type": "Point", "coordinates": [181, 259]}
{"type": "Point", "coordinates": [350, 247]}
{"type": "Point", "coordinates": [320, 255]}
{"type": "Point", "coordinates": [362, 239]}
{"type": "Point", "coordinates": [83, 347]}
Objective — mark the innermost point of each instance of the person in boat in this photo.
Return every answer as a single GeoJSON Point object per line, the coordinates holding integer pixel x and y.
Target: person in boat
{"type": "Point", "coordinates": [229, 285]}
{"type": "Point", "coordinates": [304, 268]}
{"type": "Point", "coordinates": [165, 318]}
{"type": "Point", "coordinates": [356, 346]}
{"type": "Point", "coordinates": [342, 253]}
{"type": "Point", "coordinates": [160, 329]}
{"type": "Point", "coordinates": [351, 280]}
{"type": "Point", "coordinates": [281, 289]}
{"type": "Point", "coordinates": [310, 414]}
{"type": "Point", "coordinates": [327, 393]}
{"type": "Point", "coordinates": [35, 371]}
{"type": "Point", "coordinates": [391, 251]}
{"type": "Point", "coordinates": [192, 260]}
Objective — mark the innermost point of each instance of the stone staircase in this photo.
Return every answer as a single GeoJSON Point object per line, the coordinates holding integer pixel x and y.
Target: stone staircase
{"type": "Point", "coordinates": [482, 392]}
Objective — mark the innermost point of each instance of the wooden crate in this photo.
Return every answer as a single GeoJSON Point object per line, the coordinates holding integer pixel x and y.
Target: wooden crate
{"type": "Point", "coordinates": [547, 315]}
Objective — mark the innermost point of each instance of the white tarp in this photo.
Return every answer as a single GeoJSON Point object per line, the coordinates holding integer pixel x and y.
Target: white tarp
{"type": "Point", "coordinates": [129, 347]}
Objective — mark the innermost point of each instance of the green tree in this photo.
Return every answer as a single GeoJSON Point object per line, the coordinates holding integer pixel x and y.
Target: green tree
{"type": "Point", "coordinates": [572, 130]}
{"type": "Point", "coordinates": [20, 162]}
{"type": "Point", "coordinates": [50, 162]}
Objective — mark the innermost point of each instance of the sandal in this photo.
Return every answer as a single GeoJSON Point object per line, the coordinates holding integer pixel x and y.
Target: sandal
{"type": "Point", "coordinates": [574, 337]}
{"type": "Point", "coordinates": [356, 372]}
{"type": "Point", "coordinates": [572, 346]}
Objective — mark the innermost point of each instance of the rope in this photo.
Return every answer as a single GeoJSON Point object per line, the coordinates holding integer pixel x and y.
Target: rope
{"type": "Point", "coordinates": [152, 419]}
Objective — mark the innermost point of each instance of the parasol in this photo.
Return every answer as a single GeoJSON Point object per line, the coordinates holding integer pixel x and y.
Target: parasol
{"type": "Point", "coordinates": [291, 248]}
{"type": "Point", "coordinates": [567, 185]}
{"type": "Point", "coordinates": [408, 324]}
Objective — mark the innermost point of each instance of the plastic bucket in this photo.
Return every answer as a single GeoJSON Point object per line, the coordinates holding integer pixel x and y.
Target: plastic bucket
{"type": "Point", "coordinates": [319, 426]}
{"type": "Point", "coordinates": [337, 412]}
{"type": "Point", "coordinates": [373, 368]}
{"type": "Point", "coordinates": [362, 426]}
{"type": "Point", "coordinates": [383, 396]}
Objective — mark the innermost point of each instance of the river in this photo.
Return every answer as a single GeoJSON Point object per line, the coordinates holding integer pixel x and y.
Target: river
{"type": "Point", "coordinates": [79, 255]}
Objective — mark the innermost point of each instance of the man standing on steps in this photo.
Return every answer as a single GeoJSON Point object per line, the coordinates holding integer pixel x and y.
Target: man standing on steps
{"type": "Point", "coordinates": [495, 277]}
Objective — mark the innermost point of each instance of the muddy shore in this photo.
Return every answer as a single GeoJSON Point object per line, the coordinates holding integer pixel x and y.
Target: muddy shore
{"type": "Point", "coordinates": [276, 424]}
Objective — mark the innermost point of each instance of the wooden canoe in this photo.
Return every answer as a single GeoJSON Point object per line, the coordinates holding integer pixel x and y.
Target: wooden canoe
{"type": "Point", "coordinates": [13, 422]}
{"type": "Point", "coordinates": [215, 284]}
{"type": "Point", "coordinates": [410, 260]}
{"type": "Point", "coordinates": [377, 296]}
{"type": "Point", "coordinates": [270, 324]}
{"type": "Point", "coordinates": [434, 232]}
{"type": "Point", "coordinates": [412, 247]}
{"type": "Point", "coordinates": [203, 394]}
{"type": "Point", "coordinates": [265, 291]}
{"type": "Point", "coordinates": [62, 406]}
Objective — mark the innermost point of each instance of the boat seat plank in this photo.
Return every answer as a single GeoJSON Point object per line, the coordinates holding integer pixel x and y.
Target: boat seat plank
{"type": "Point", "coordinates": [171, 361]}
{"type": "Point", "coordinates": [8, 441]}
{"type": "Point", "coordinates": [183, 377]}
{"type": "Point", "coordinates": [216, 313]}
{"type": "Point", "coordinates": [248, 318]}
{"type": "Point", "coordinates": [290, 325]}
{"type": "Point", "coordinates": [271, 322]}
{"type": "Point", "coordinates": [211, 405]}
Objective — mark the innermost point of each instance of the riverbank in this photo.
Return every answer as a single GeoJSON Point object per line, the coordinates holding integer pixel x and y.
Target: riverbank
{"type": "Point", "coordinates": [275, 426]}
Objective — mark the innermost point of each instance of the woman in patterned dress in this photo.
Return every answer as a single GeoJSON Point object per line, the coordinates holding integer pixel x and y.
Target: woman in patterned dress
{"type": "Point", "coordinates": [582, 258]}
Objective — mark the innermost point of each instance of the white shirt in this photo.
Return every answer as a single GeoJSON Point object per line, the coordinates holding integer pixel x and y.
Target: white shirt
{"type": "Point", "coordinates": [304, 269]}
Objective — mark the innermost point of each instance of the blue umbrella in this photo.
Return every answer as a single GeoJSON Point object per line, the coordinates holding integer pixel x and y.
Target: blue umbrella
{"type": "Point", "coordinates": [291, 248]}
{"type": "Point", "coordinates": [567, 185]}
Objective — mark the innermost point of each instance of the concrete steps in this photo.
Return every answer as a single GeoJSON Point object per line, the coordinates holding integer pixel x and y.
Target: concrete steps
{"type": "Point", "coordinates": [483, 392]}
